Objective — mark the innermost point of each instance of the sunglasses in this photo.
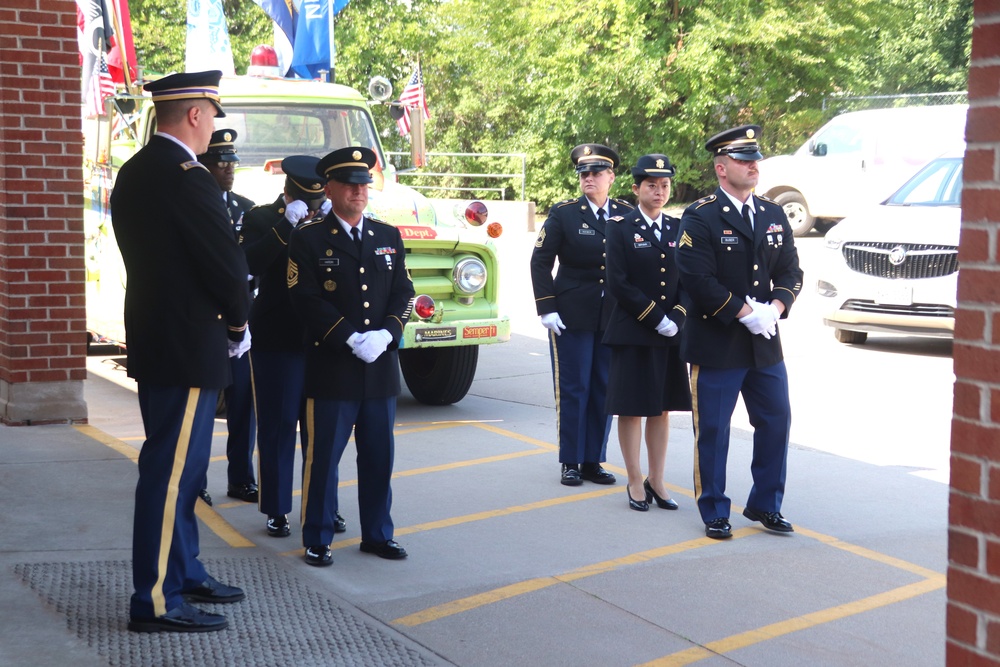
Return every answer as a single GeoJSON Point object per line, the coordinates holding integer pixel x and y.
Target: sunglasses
{"type": "Point", "coordinates": [226, 165]}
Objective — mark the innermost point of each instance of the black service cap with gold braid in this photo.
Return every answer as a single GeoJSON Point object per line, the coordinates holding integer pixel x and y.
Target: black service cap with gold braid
{"type": "Point", "coordinates": [654, 165]}
{"type": "Point", "coordinates": [188, 85]}
{"type": "Point", "coordinates": [301, 180]}
{"type": "Point", "coordinates": [739, 143]}
{"type": "Point", "coordinates": [593, 157]}
{"type": "Point", "coordinates": [348, 165]}
{"type": "Point", "coordinates": [221, 147]}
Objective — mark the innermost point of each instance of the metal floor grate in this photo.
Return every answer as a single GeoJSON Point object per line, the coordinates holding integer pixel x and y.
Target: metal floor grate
{"type": "Point", "coordinates": [281, 622]}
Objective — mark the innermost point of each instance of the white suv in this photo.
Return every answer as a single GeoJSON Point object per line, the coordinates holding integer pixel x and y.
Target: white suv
{"type": "Point", "coordinates": [893, 268]}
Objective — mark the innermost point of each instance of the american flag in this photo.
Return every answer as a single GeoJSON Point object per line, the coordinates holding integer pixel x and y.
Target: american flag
{"type": "Point", "coordinates": [412, 97]}
{"type": "Point", "coordinates": [102, 86]}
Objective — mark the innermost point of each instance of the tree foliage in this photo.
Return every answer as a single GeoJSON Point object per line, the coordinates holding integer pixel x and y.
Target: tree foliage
{"type": "Point", "coordinates": [540, 76]}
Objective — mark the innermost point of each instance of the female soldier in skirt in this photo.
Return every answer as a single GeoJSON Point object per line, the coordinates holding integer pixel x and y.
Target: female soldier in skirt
{"type": "Point", "coordinates": [647, 377]}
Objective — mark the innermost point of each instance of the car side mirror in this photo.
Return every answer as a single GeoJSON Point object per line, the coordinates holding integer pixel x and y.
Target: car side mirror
{"type": "Point", "coordinates": [819, 150]}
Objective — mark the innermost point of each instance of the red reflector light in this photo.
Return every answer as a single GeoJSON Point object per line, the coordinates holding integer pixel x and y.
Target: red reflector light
{"type": "Point", "coordinates": [424, 307]}
{"type": "Point", "coordinates": [475, 213]}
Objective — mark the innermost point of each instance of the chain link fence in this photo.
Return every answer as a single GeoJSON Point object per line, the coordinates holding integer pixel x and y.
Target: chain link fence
{"type": "Point", "coordinates": [843, 103]}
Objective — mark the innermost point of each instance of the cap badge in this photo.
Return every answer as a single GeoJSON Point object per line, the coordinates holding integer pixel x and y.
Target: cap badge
{"type": "Point", "coordinates": [227, 136]}
{"type": "Point", "coordinates": [750, 133]}
{"type": "Point", "coordinates": [659, 164]}
{"type": "Point", "coordinates": [587, 151]}
{"type": "Point", "coordinates": [356, 155]}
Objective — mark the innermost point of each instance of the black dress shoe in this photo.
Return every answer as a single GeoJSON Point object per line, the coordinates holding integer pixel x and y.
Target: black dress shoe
{"type": "Point", "coordinates": [662, 503]}
{"type": "Point", "coordinates": [212, 590]}
{"type": "Point", "coordinates": [718, 529]}
{"type": "Point", "coordinates": [203, 494]}
{"type": "Point", "coordinates": [390, 550]}
{"type": "Point", "coordinates": [319, 556]}
{"type": "Point", "coordinates": [593, 472]}
{"type": "Point", "coordinates": [184, 618]}
{"type": "Point", "coordinates": [339, 525]}
{"type": "Point", "coordinates": [245, 492]}
{"type": "Point", "coordinates": [571, 475]}
{"type": "Point", "coordinates": [771, 520]}
{"type": "Point", "coordinates": [637, 505]}
{"type": "Point", "coordinates": [277, 526]}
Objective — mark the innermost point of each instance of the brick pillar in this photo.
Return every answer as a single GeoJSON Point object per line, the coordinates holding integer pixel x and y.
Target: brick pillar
{"type": "Point", "coordinates": [974, 513]}
{"type": "Point", "coordinates": [42, 302]}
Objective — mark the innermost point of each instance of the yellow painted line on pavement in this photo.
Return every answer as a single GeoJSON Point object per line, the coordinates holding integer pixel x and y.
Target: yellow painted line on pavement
{"type": "Point", "coordinates": [774, 630]}
{"type": "Point", "coordinates": [869, 554]}
{"type": "Point", "coordinates": [209, 516]}
{"type": "Point", "coordinates": [479, 516]}
{"type": "Point", "coordinates": [517, 436]}
{"type": "Point", "coordinates": [531, 585]}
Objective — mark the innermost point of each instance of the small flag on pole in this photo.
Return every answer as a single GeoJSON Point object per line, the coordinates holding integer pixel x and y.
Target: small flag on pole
{"type": "Point", "coordinates": [101, 87]}
{"type": "Point", "coordinates": [412, 97]}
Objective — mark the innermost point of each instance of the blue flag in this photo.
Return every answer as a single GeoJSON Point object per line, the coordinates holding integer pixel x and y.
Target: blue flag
{"type": "Point", "coordinates": [282, 12]}
{"type": "Point", "coordinates": [312, 37]}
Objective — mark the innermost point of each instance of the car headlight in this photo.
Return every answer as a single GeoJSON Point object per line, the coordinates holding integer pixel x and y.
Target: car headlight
{"type": "Point", "coordinates": [469, 275]}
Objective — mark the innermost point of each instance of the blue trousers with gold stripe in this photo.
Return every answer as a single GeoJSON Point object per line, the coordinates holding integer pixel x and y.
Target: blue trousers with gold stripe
{"type": "Point", "coordinates": [714, 392]}
{"type": "Point", "coordinates": [580, 366]}
{"type": "Point", "coordinates": [178, 422]}
{"type": "Point", "coordinates": [325, 433]}
{"type": "Point", "coordinates": [278, 378]}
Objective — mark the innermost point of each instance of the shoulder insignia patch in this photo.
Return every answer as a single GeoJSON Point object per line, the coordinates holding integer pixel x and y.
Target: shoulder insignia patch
{"type": "Point", "coordinates": [565, 203]}
{"type": "Point", "coordinates": [192, 164]}
{"type": "Point", "coordinates": [540, 241]}
{"type": "Point", "coordinates": [685, 240]}
{"type": "Point", "coordinates": [704, 200]}
{"type": "Point", "coordinates": [293, 273]}
{"type": "Point", "coordinates": [381, 222]}
{"type": "Point", "coordinates": [624, 203]}
{"type": "Point", "coordinates": [767, 199]}
{"type": "Point", "coordinates": [310, 223]}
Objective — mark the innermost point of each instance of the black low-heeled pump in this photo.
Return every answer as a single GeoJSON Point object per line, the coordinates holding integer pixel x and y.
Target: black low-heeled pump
{"type": "Point", "coordinates": [662, 503]}
{"type": "Point", "coordinates": [637, 505]}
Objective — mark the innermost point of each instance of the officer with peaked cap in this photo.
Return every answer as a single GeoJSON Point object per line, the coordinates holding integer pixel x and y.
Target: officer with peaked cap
{"type": "Point", "coordinates": [647, 378]}
{"type": "Point", "coordinates": [574, 306]}
{"type": "Point", "coordinates": [737, 261]}
{"type": "Point", "coordinates": [186, 309]}
{"type": "Point", "coordinates": [278, 357]}
{"type": "Point", "coordinates": [221, 161]}
{"type": "Point", "coordinates": [348, 283]}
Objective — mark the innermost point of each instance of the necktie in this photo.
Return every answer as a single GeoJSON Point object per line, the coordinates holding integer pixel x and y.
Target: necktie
{"type": "Point", "coordinates": [356, 234]}
{"type": "Point", "coordinates": [656, 229]}
{"type": "Point", "coordinates": [746, 216]}
{"type": "Point", "coordinates": [600, 215]}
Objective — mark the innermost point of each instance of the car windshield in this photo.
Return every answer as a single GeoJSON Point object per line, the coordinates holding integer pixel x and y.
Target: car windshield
{"type": "Point", "coordinates": [274, 132]}
{"type": "Point", "coordinates": [937, 184]}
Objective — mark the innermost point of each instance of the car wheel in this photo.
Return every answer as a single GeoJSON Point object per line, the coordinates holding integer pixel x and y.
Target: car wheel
{"type": "Point", "coordinates": [439, 375]}
{"type": "Point", "coordinates": [797, 212]}
{"type": "Point", "coordinates": [850, 337]}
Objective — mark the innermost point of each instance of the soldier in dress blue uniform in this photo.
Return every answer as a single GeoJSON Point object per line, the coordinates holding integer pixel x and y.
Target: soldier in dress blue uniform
{"type": "Point", "coordinates": [648, 378]}
{"type": "Point", "coordinates": [221, 160]}
{"type": "Point", "coordinates": [348, 283]}
{"type": "Point", "coordinates": [575, 307]}
{"type": "Point", "coordinates": [186, 307]}
{"type": "Point", "coordinates": [738, 263]}
{"type": "Point", "coordinates": [278, 356]}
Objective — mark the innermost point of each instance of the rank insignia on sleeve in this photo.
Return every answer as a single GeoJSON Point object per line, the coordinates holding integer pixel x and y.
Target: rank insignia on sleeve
{"type": "Point", "coordinates": [293, 273]}
{"type": "Point", "coordinates": [541, 238]}
{"type": "Point", "coordinates": [685, 241]}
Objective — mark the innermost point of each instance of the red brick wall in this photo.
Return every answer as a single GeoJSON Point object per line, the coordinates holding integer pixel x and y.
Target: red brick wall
{"type": "Point", "coordinates": [42, 302]}
{"type": "Point", "coordinates": [974, 513]}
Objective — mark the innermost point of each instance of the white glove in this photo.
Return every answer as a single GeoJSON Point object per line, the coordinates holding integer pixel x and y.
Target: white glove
{"type": "Point", "coordinates": [666, 327]}
{"type": "Point", "coordinates": [326, 207]}
{"type": "Point", "coordinates": [296, 212]}
{"type": "Point", "coordinates": [239, 349]}
{"type": "Point", "coordinates": [356, 338]}
{"type": "Point", "coordinates": [373, 345]}
{"type": "Point", "coordinates": [762, 320]}
{"type": "Point", "coordinates": [553, 323]}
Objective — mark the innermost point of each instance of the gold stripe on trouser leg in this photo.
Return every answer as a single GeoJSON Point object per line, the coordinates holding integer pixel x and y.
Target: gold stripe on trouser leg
{"type": "Point", "coordinates": [555, 382]}
{"type": "Point", "coordinates": [253, 401]}
{"type": "Point", "coordinates": [170, 502]}
{"type": "Point", "coordinates": [310, 450]}
{"type": "Point", "coordinates": [694, 418]}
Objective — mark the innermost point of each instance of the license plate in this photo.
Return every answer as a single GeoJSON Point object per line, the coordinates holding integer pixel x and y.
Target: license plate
{"type": "Point", "coordinates": [894, 295]}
